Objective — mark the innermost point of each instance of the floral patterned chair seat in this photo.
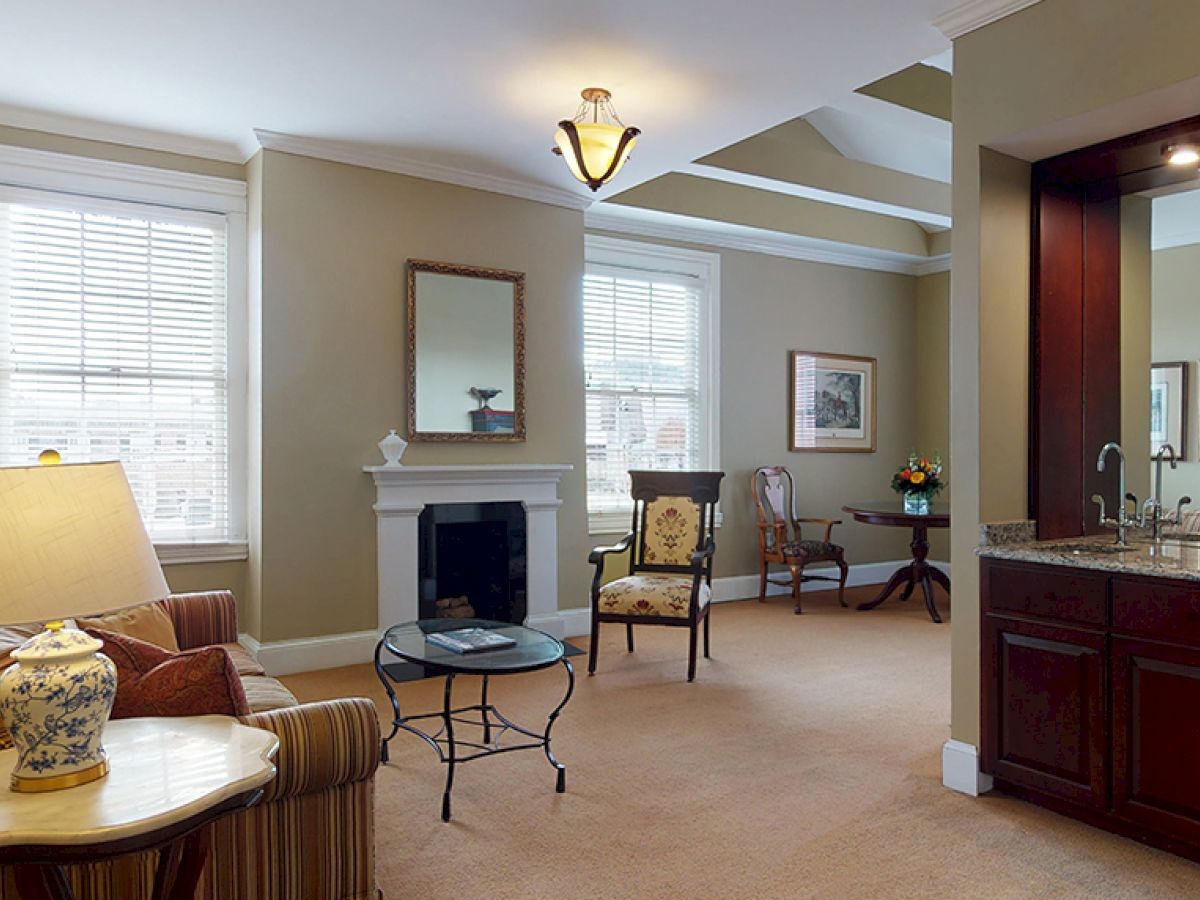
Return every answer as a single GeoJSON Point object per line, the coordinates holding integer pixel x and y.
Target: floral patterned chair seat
{"type": "Point", "coordinates": [651, 595]}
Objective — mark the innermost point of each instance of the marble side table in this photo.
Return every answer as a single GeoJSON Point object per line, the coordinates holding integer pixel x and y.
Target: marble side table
{"type": "Point", "coordinates": [168, 779]}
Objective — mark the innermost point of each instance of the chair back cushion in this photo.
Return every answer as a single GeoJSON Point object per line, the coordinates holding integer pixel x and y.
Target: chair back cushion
{"type": "Point", "coordinates": [672, 531]}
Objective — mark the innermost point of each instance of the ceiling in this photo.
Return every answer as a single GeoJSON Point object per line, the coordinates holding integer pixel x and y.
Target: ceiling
{"type": "Point", "coordinates": [471, 91]}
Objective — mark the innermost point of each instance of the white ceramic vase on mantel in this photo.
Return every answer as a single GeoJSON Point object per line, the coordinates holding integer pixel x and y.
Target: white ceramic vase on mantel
{"type": "Point", "coordinates": [392, 447]}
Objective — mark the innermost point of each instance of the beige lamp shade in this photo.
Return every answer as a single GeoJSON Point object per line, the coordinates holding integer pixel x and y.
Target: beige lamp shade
{"type": "Point", "coordinates": [72, 543]}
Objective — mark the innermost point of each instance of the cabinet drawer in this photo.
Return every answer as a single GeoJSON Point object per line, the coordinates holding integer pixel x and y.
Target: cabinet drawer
{"type": "Point", "coordinates": [1168, 610]}
{"type": "Point", "coordinates": [1046, 592]}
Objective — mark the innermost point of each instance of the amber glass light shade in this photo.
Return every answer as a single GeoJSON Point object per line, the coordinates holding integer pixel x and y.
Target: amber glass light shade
{"type": "Point", "coordinates": [595, 144]}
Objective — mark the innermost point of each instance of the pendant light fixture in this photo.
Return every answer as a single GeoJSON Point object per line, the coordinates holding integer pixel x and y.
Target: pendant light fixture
{"type": "Point", "coordinates": [595, 143]}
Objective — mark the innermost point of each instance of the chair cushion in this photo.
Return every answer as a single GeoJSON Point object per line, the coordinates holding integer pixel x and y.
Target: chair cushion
{"type": "Point", "coordinates": [811, 549]}
{"type": "Point", "coordinates": [672, 531]}
{"type": "Point", "coordinates": [264, 694]}
{"type": "Point", "coordinates": [650, 595]}
{"type": "Point", "coordinates": [243, 660]}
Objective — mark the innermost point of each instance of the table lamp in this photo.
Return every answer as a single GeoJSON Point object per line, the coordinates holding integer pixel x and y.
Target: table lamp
{"type": "Point", "coordinates": [72, 543]}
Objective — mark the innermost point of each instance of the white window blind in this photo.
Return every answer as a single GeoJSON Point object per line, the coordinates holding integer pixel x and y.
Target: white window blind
{"type": "Point", "coordinates": [113, 345]}
{"type": "Point", "coordinates": [646, 384]}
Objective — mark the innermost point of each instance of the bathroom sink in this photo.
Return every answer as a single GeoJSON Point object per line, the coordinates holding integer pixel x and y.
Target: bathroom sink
{"type": "Point", "coordinates": [1089, 549]}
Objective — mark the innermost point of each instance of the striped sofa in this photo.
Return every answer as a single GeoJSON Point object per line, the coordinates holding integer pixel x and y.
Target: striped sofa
{"type": "Point", "coordinates": [312, 837]}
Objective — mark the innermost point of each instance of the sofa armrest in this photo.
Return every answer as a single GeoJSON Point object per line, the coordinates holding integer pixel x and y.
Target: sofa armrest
{"type": "Point", "coordinates": [321, 745]}
{"type": "Point", "coordinates": [203, 619]}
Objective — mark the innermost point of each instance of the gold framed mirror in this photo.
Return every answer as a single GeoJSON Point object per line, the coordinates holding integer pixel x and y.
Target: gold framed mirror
{"type": "Point", "coordinates": [466, 353]}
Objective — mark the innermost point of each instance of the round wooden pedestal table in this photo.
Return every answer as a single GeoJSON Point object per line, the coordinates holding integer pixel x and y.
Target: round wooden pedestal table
{"type": "Point", "coordinates": [167, 779]}
{"type": "Point", "coordinates": [918, 572]}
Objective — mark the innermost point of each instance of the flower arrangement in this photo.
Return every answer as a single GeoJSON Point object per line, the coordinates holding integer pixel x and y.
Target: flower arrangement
{"type": "Point", "coordinates": [921, 477]}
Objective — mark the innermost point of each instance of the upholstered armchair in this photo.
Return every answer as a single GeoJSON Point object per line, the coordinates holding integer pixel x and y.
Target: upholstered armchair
{"type": "Point", "coordinates": [781, 540]}
{"type": "Point", "coordinates": [671, 551]}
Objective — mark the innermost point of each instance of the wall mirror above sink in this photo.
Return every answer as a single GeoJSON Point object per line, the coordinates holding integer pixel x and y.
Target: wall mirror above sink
{"type": "Point", "coordinates": [466, 353]}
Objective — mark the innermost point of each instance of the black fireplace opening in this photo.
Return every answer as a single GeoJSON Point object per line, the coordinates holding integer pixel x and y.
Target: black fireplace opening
{"type": "Point", "coordinates": [472, 561]}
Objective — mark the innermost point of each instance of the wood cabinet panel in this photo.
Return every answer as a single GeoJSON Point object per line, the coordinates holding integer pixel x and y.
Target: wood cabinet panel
{"type": "Point", "coordinates": [1045, 706]}
{"type": "Point", "coordinates": [1067, 595]}
{"type": "Point", "coordinates": [1156, 735]}
{"type": "Point", "coordinates": [1157, 608]}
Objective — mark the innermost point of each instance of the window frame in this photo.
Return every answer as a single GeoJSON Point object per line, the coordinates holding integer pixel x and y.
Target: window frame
{"type": "Point", "coordinates": [611, 252]}
{"type": "Point", "coordinates": [137, 190]}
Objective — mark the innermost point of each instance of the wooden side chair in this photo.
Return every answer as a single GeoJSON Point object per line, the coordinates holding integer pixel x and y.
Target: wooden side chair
{"type": "Point", "coordinates": [670, 568]}
{"type": "Point", "coordinates": [780, 540]}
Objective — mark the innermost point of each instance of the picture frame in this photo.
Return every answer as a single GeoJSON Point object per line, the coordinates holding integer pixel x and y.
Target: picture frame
{"type": "Point", "coordinates": [831, 402]}
{"type": "Point", "coordinates": [1169, 407]}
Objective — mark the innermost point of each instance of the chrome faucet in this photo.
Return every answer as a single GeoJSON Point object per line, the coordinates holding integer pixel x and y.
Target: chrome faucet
{"type": "Point", "coordinates": [1154, 504]}
{"type": "Point", "coordinates": [1122, 521]}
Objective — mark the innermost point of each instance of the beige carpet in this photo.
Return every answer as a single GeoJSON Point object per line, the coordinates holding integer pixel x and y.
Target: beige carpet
{"type": "Point", "coordinates": [803, 762]}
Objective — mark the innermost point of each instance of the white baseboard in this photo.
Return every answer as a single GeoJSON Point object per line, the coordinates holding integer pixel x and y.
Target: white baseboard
{"type": "Point", "coordinates": [310, 654]}
{"type": "Point", "coordinates": [960, 769]}
{"type": "Point", "coordinates": [333, 650]}
{"type": "Point", "coordinates": [742, 587]}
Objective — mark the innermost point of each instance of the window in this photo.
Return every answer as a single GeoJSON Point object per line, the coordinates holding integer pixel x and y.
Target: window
{"type": "Point", "coordinates": [650, 365]}
{"type": "Point", "coordinates": [114, 344]}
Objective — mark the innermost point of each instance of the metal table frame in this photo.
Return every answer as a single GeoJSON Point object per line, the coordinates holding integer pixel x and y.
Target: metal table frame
{"type": "Point", "coordinates": [493, 722]}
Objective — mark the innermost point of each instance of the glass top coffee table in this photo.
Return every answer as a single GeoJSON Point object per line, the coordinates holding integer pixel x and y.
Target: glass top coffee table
{"type": "Point", "coordinates": [533, 650]}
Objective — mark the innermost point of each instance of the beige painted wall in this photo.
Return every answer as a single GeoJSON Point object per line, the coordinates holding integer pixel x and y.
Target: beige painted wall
{"type": "Point", "coordinates": [1058, 75]}
{"type": "Point", "coordinates": [334, 242]}
{"type": "Point", "coordinates": [770, 305]}
{"type": "Point", "coordinates": [1176, 330]}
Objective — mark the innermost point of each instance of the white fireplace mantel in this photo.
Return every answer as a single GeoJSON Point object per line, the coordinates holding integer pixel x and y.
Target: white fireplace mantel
{"type": "Point", "coordinates": [402, 492]}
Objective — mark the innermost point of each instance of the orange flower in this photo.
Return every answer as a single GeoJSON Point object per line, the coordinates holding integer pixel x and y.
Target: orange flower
{"type": "Point", "coordinates": [918, 477]}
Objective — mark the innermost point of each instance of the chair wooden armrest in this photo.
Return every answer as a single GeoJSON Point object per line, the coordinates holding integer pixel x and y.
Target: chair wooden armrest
{"type": "Point", "coordinates": [596, 557]}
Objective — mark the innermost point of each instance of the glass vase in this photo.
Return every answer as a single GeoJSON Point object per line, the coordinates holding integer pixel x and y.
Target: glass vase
{"type": "Point", "coordinates": [916, 504]}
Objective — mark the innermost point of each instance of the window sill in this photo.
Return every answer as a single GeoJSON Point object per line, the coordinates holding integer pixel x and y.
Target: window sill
{"type": "Point", "coordinates": [205, 552]}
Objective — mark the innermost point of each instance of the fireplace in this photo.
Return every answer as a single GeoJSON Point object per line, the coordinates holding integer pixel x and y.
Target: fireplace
{"type": "Point", "coordinates": [472, 561]}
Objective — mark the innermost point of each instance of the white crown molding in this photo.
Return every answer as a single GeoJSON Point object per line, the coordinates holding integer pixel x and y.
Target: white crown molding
{"type": "Point", "coordinates": [125, 135]}
{"type": "Point", "coordinates": [43, 170]}
{"type": "Point", "coordinates": [671, 227]}
{"type": "Point", "coordinates": [966, 17]}
{"type": "Point", "coordinates": [376, 158]}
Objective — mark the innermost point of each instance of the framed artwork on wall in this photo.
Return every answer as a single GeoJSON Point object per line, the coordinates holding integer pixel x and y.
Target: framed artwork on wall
{"type": "Point", "coordinates": [1169, 407]}
{"type": "Point", "coordinates": [831, 406]}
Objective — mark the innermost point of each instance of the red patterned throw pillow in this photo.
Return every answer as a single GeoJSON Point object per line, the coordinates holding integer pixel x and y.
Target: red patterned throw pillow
{"type": "Point", "coordinates": [155, 682]}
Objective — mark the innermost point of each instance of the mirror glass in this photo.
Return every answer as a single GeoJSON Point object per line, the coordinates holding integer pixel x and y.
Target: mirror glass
{"type": "Point", "coordinates": [1160, 343]}
{"type": "Point", "coordinates": [465, 354]}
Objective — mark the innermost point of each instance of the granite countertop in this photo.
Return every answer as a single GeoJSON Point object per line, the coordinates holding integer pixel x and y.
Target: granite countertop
{"type": "Point", "coordinates": [1169, 558]}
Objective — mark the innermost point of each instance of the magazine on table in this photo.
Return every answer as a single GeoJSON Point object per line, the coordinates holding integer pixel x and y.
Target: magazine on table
{"type": "Point", "coordinates": [470, 640]}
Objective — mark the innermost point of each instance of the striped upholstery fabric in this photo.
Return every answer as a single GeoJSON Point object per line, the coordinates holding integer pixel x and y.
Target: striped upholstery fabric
{"type": "Point", "coordinates": [311, 837]}
{"type": "Point", "coordinates": [203, 618]}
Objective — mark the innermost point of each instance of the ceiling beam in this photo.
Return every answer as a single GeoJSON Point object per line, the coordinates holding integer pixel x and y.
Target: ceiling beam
{"type": "Point", "coordinates": [920, 88]}
{"type": "Point", "coordinates": [705, 198]}
{"type": "Point", "coordinates": [775, 161]}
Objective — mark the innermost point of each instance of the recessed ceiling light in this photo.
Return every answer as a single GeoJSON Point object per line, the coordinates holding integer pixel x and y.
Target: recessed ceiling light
{"type": "Point", "coordinates": [1182, 154]}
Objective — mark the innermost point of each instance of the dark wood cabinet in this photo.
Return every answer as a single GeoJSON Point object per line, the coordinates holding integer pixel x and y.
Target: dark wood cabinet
{"type": "Point", "coordinates": [1091, 696]}
{"type": "Point", "coordinates": [1156, 735]}
{"type": "Point", "coordinates": [1048, 709]}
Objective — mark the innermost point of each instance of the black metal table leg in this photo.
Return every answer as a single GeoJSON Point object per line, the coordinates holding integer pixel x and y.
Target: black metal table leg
{"type": "Point", "coordinates": [396, 717]}
{"type": "Point", "coordinates": [448, 719]}
{"type": "Point", "coordinates": [483, 712]}
{"type": "Point", "coordinates": [561, 784]}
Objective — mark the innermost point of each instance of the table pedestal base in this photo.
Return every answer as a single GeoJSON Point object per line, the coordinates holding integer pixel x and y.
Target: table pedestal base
{"type": "Point", "coordinates": [917, 572]}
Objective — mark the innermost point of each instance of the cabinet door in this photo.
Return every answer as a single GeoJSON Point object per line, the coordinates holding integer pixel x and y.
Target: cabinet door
{"type": "Point", "coordinates": [1044, 708]}
{"type": "Point", "coordinates": [1156, 735]}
